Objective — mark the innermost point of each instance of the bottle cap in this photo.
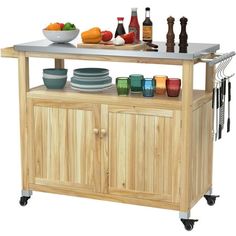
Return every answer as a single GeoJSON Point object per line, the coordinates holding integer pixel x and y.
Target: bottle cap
{"type": "Point", "coordinates": [134, 9]}
{"type": "Point", "coordinates": [120, 18]}
{"type": "Point", "coordinates": [147, 8]}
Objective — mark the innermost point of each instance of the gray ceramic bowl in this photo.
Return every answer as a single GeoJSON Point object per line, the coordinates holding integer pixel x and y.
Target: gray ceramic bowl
{"type": "Point", "coordinates": [55, 83]}
{"type": "Point", "coordinates": [53, 71]}
{"type": "Point", "coordinates": [61, 36]}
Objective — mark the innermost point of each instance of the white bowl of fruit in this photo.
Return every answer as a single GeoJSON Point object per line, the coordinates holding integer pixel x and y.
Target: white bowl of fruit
{"type": "Point", "coordinates": [61, 33]}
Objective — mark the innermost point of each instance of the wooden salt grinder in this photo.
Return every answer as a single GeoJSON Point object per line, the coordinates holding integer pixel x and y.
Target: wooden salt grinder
{"type": "Point", "coordinates": [183, 37]}
{"type": "Point", "coordinates": [170, 36]}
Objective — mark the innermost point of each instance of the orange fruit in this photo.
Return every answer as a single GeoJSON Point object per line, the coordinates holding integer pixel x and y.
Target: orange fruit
{"type": "Point", "coordinates": [54, 26]}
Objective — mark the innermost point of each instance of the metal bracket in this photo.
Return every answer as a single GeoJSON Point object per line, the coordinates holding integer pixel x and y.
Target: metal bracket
{"type": "Point", "coordinates": [184, 215]}
{"type": "Point", "coordinates": [209, 192]}
{"type": "Point", "coordinates": [26, 193]}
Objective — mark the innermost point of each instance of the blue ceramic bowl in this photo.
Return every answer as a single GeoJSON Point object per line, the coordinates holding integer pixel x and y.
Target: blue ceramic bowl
{"type": "Point", "coordinates": [55, 83]}
{"type": "Point", "coordinates": [53, 71]}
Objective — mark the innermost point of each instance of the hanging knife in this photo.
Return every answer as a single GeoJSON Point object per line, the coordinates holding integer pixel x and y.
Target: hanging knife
{"type": "Point", "coordinates": [229, 99]}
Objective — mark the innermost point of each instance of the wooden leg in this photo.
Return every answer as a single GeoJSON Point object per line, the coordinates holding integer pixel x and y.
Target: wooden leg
{"type": "Point", "coordinates": [23, 64]}
{"type": "Point", "coordinates": [59, 63]}
{"type": "Point", "coordinates": [186, 150]}
{"type": "Point", "coordinates": [210, 75]}
{"type": "Point", "coordinates": [209, 84]}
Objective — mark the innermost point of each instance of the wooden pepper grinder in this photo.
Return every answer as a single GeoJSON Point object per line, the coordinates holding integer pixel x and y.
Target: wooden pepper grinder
{"type": "Point", "coordinates": [170, 36]}
{"type": "Point", "coordinates": [183, 37]}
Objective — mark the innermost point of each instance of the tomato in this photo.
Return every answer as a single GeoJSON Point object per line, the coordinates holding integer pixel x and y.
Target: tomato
{"type": "Point", "coordinates": [129, 38]}
{"type": "Point", "coordinates": [106, 35]}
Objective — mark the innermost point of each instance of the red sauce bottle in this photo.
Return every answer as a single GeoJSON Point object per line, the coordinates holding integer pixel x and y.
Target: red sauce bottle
{"type": "Point", "coordinates": [134, 25]}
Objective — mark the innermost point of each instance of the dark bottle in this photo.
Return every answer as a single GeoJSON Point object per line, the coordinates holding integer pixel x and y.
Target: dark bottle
{"type": "Point", "coordinates": [147, 27]}
{"type": "Point", "coordinates": [134, 25]}
{"type": "Point", "coordinates": [120, 27]}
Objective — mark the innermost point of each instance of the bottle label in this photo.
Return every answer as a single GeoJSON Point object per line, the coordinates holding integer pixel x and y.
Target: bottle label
{"type": "Point", "coordinates": [147, 32]}
{"type": "Point", "coordinates": [136, 31]}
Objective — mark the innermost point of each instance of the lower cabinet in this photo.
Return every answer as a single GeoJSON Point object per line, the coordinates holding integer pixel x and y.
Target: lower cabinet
{"type": "Point", "coordinates": [117, 150]}
{"type": "Point", "coordinates": [143, 152]}
{"type": "Point", "coordinates": [63, 147]}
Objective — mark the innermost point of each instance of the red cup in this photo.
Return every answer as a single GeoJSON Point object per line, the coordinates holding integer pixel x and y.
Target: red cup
{"type": "Point", "coordinates": [173, 87]}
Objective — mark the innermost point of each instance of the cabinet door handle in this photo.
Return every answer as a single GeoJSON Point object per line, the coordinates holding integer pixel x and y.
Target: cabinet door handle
{"type": "Point", "coordinates": [96, 131]}
{"type": "Point", "coordinates": [103, 132]}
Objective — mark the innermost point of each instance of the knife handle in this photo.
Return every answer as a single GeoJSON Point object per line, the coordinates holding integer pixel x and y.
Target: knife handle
{"type": "Point", "coordinates": [220, 131]}
{"type": "Point", "coordinates": [217, 98]}
{"type": "Point", "coordinates": [224, 86]}
{"type": "Point", "coordinates": [229, 92]}
{"type": "Point", "coordinates": [228, 125]}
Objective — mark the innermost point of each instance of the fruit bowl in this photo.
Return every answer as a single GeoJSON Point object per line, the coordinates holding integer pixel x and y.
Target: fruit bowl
{"type": "Point", "coordinates": [61, 36]}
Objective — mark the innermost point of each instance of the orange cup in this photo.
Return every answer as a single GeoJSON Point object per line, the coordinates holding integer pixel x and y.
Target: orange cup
{"type": "Point", "coordinates": [160, 84]}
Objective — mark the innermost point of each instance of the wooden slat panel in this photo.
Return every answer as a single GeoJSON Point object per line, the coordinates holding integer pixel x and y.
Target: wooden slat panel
{"type": "Point", "coordinates": [113, 149]}
{"type": "Point", "coordinates": [201, 167]}
{"type": "Point", "coordinates": [105, 149]}
{"type": "Point", "coordinates": [139, 159]}
{"type": "Point", "coordinates": [63, 144]}
{"type": "Point", "coordinates": [167, 156]}
{"type": "Point", "coordinates": [158, 161]}
{"type": "Point", "coordinates": [121, 150]}
{"type": "Point", "coordinates": [130, 132]}
{"type": "Point", "coordinates": [149, 152]}
{"type": "Point", "coordinates": [175, 159]}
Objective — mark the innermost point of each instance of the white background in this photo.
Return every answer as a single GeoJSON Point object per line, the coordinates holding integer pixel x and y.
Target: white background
{"type": "Point", "coordinates": [48, 214]}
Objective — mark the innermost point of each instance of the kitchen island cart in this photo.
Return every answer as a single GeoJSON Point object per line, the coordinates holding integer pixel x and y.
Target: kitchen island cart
{"type": "Point", "coordinates": [148, 151]}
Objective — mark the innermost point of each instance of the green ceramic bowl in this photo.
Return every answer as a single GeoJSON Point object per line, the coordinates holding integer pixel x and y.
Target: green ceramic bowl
{"type": "Point", "coordinates": [53, 71]}
{"type": "Point", "coordinates": [55, 83]}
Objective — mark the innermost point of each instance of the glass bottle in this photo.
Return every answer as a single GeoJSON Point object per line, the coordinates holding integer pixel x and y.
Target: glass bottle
{"type": "Point", "coordinates": [134, 25]}
{"type": "Point", "coordinates": [147, 27]}
{"type": "Point", "coordinates": [120, 27]}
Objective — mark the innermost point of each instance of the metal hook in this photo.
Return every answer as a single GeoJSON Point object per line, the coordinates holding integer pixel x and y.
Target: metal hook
{"type": "Point", "coordinates": [227, 63]}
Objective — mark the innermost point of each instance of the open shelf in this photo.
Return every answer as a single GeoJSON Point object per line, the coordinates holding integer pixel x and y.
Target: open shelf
{"type": "Point", "coordinates": [110, 96]}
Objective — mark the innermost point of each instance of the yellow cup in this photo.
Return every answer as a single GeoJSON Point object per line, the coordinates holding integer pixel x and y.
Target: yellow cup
{"type": "Point", "coordinates": [160, 84]}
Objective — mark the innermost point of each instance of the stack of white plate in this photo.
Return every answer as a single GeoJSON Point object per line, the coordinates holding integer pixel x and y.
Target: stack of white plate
{"type": "Point", "coordinates": [91, 79]}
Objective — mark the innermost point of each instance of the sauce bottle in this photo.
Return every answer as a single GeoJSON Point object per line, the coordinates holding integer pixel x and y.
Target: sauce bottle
{"type": "Point", "coordinates": [134, 25]}
{"type": "Point", "coordinates": [147, 27]}
{"type": "Point", "coordinates": [120, 27]}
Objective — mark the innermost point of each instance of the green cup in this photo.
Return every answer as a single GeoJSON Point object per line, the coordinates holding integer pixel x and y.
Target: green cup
{"type": "Point", "coordinates": [123, 86]}
{"type": "Point", "coordinates": [136, 83]}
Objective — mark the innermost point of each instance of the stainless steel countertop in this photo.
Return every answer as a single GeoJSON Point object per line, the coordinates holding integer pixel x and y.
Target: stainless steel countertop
{"type": "Point", "coordinates": [45, 46]}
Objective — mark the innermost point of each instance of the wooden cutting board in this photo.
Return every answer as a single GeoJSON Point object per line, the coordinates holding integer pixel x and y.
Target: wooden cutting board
{"type": "Point", "coordinates": [111, 46]}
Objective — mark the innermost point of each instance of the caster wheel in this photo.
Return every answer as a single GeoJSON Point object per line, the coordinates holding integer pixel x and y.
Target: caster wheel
{"type": "Point", "coordinates": [24, 201]}
{"type": "Point", "coordinates": [211, 199]}
{"type": "Point", "coordinates": [188, 224]}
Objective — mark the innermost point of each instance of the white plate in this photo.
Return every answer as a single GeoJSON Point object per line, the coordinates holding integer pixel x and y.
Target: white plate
{"type": "Point", "coordinates": [91, 90]}
{"type": "Point", "coordinates": [90, 86]}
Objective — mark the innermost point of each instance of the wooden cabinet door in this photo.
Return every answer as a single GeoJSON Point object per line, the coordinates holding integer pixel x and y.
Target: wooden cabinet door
{"type": "Point", "coordinates": [64, 149]}
{"type": "Point", "coordinates": [141, 152]}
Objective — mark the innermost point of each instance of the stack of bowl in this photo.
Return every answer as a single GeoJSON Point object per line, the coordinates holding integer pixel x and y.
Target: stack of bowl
{"type": "Point", "coordinates": [91, 79]}
{"type": "Point", "coordinates": [54, 78]}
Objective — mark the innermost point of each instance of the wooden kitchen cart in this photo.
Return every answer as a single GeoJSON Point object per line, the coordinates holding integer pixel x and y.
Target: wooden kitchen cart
{"type": "Point", "coordinates": [147, 151]}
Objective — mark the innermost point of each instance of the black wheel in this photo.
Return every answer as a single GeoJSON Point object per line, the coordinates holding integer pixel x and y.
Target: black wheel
{"type": "Point", "coordinates": [188, 224]}
{"type": "Point", "coordinates": [24, 201]}
{"type": "Point", "coordinates": [211, 202]}
{"type": "Point", "coordinates": [211, 199]}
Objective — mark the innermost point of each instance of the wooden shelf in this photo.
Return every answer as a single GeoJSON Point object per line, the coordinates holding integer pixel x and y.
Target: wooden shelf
{"type": "Point", "coordinates": [110, 96]}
